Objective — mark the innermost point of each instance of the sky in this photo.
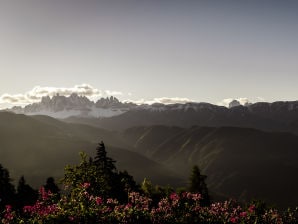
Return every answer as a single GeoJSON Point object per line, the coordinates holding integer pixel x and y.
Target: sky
{"type": "Point", "coordinates": [149, 50]}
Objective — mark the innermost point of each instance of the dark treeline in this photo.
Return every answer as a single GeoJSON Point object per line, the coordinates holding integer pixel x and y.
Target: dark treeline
{"type": "Point", "coordinates": [23, 194]}
{"type": "Point", "coordinates": [104, 179]}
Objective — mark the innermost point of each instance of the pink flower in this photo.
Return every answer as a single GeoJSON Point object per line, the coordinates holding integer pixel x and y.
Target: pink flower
{"type": "Point", "coordinates": [27, 208]}
{"type": "Point", "coordinates": [128, 206]}
{"type": "Point", "coordinates": [233, 219]}
{"type": "Point", "coordinates": [98, 200]}
{"type": "Point", "coordinates": [86, 185]}
{"type": "Point", "coordinates": [196, 197]}
{"type": "Point", "coordinates": [44, 194]}
{"type": "Point", "coordinates": [174, 196]}
{"type": "Point", "coordinates": [8, 208]}
{"type": "Point", "coordinates": [251, 208]}
{"type": "Point", "coordinates": [243, 214]}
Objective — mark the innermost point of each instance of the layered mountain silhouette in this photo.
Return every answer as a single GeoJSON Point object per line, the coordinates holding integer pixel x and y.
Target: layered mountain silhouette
{"type": "Point", "coordinates": [110, 113]}
{"type": "Point", "coordinates": [39, 146]}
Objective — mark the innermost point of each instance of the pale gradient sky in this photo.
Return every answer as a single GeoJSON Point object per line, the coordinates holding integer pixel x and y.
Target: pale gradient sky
{"type": "Point", "coordinates": [202, 50]}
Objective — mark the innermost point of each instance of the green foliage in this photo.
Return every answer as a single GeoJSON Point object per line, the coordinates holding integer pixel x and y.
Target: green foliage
{"type": "Point", "coordinates": [101, 173]}
{"type": "Point", "coordinates": [85, 172]}
{"type": "Point", "coordinates": [155, 192]}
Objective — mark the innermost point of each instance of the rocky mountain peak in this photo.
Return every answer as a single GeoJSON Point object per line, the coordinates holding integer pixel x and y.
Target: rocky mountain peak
{"type": "Point", "coordinates": [234, 103]}
{"type": "Point", "coordinates": [60, 106]}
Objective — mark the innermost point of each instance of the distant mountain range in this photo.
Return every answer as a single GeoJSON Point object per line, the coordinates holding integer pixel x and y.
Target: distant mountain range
{"type": "Point", "coordinates": [110, 113]}
{"type": "Point", "coordinates": [267, 116]}
{"type": "Point", "coordinates": [277, 116]}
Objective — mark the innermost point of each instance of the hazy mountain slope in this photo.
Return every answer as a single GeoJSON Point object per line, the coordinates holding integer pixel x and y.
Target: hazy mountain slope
{"type": "Point", "coordinates": [277, 116]}
{"type": "Point", "coordinates": [86, 132]}
{"type": "Point", "coordinates": [239, 162]}
{"type": "Point", "coordinates": [147, 139]}
{"type": "Point", "coordinates": [140, 166]}
{"type": "Point", "coordinates": [38, 147]}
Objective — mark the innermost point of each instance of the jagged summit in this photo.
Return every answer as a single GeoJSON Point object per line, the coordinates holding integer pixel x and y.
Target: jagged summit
{"type": "Point", "coordinates": [234, 103]}
{"type": "Point", "coordinates": [60, 106]}
{"type": "Point", "coordinates": [112, 102]}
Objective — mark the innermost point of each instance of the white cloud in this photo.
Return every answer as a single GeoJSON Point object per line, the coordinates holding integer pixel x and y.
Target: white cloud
{"type": "Point", "coordinates": [113, 93]}
{"type": "Point", "coordinates": [172, 100]}
{"type": "Point", "coordinates": [163, 100]}
{"type": "Point", "coordinates": [35, 94]}
{"type": "Point", "coordinates": [17, 98]}
{"type": "Point", "coordinates": [260, 99]}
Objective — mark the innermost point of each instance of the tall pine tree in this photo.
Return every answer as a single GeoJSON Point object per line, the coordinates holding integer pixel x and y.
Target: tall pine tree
{"type": "Point", "coordinates": [7, 190]}
{"type": "Point", "coordinates": [52, 187]}
{"type": "Point", "coordinates": [198, 185]}
{"type": "Point", "coordinates": [104, 163]}
{"type": "Point", "coordinates": [26, 195]}
{"type": "Point", "coordinates": [106, 169]}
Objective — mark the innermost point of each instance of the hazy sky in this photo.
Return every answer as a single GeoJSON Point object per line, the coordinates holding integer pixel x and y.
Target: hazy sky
{"type": "Point", "coordinates": [201, 50]}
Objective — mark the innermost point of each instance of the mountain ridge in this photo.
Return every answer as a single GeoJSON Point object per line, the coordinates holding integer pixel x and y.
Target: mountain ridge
{"type": "Point", "coordinates": [277, 116]}
{"type": "Point", "coordinates": [75, 106]}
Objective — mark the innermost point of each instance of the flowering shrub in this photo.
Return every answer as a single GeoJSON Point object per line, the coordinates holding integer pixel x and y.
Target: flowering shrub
{"type": "Point", "coordinates": [81, 207]}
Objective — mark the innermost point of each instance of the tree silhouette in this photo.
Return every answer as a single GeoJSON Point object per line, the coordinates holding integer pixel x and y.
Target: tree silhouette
{"type": "Point", "coordinates": [52, 187]}
{"type": "Point", "coordinates": [7, 190]}
{"type": "Point", "coordinates": [198, 185]}
{"type": "Point", "coordinates": [26, 195]}
{"type": "Point", "coordinates": [104, 163]}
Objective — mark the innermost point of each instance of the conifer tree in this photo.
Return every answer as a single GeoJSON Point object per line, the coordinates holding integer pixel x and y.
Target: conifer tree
{"type": "Point", "coordinates": [104, 163]}
{"type": "Point", "coordinates": [198, 185]}
{"type": "Point", "coordinates": [106, 169]}
{"type": "Point", "coordinates": [52, 187]}
{"type": "Point", "coordinates": [26, 195]}
{"type": "Point", "coordinates": [7, 190]}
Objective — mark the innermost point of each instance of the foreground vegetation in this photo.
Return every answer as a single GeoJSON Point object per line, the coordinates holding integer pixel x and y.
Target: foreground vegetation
{"type": "Point", "coordinates": [82, 207]}
{"type": "Point", "coordinates": [96, 192]}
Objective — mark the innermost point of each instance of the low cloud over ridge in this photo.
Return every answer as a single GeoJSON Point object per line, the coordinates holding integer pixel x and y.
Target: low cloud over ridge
{"type": "Point", "coordinates": [163, 100]}
{"type": "Point", "coordinates": [35, 94]}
